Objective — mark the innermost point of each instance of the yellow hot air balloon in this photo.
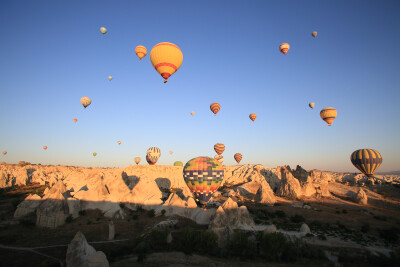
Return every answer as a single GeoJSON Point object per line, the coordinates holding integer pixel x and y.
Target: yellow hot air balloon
{"type": "Point", "coordinates": [253, 116]}
{"type": "Point", "coordinates": [4, 153]}
{"type": "Point", "coordinates": [141, 51]}
{"type": "Point", "coordinates": [328, 115]}
{"type": "Point", "coordinates": [314, 34]}
{"type": "Point", "coordinates": [366, 160]}
{"type": "Point", "coordinates": [171, 152]}
{"type": "Point", "coordinates": [86, 101]}
{"type": "Point", "coordinates": [219, 148]}
{"type": "Point", "coordinates": [119, 142]}
{"type": "Point", "coordinates": [103, 30]}
{"type": "Point", "coordinates": [192, 113]}
{"type": "Point", "coordinates": [311, 104]}
{"type": "Point", "coordinates": [109, 78]}
{"type": "Point", "coordinates": [137, 160]}
{"type": "Point", "coordinates": [284, 48]}
{"type": "Point", "coordinates": [166, 59]}
{"type": "Point", "coordinates": [45, 147]}
{"type": "Point", "coordinates": [94, 154]}
{"type": "Point", "coordinates": [75, 120]}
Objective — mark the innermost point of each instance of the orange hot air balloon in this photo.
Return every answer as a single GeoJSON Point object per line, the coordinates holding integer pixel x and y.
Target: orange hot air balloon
{"type": "Point", "coordinates": [314, 34]}
{"type": "Point", "coordinates": [238, 157]}
{"type": "Point", "coordinates": [141, 51]}
{"type": "Point", "coordinates": [284, 48]}
{"type": "Point", "coordinates": [166, 59]}
{"type": "Point", "coordinates": [219, 148]}
{"type": "Point", "coordinates": [253, 116]}
{"type": "Point", "coordinates": [75, 120]}
{"type": "Point", "coordinates": [328, 115]}
{"type": "Point", "coordinates": [192, 113]}
{"type": "Point", "coordinates": [119, 142]}
{"type": "Point", "coordinates": [45, 147]}
{"type": "Point", "coordinates": [215, 107]}
{"type": "Point", "coordinates": [137, 160]}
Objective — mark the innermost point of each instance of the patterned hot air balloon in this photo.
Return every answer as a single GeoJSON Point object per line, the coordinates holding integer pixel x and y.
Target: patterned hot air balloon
{"type": "Point", "coordinates": [366, 160]}
{"type": "Point", "coordinates": [94, 154]}
{"type": "Point", "coordinates": [103, 30]}
{"type": "Point", "coordinates": [45, 147]}
{"type": "Point", "coordinates": [178, 163]}
{"type": "Point", "coordinates": [220, 158]}
{"type": "Point", "coordinates": [215, 107]}
{"type": "Point", "coordinates": [203, 175]}
{"type": "Point", "coordinates": [141, 51]}
{"type": "Point", "coordinates": [284, 48]}
{"type": "Point", "coordinates": [149, 161]}
{"type": "Point", "coordinates": [238, 157]}
{"type": "Point", "coordinates": [86, 101]}
{"type": "Point", "coordinates": [4, 153]}
{"type": "Point", "coordinates": [109, 78]}
{"type": "Point", "coordinates": [153, 153]}
{"type": "Point", "coordinates": [311, 104]}
{"type": "Point", "coordinates": [75, 120]}
{"type": "Point", "coordinates": [219, 148]}
{"type": "Point", "coordinates": [328, 115]}
{"type": "Point", "coordinates": [137, 160]}
{"type": "Point", "coordinates": [253, 116]}
{"type": "Point", "coordinates": [166, 59]}
{"type": "Point", "coordinates": [119, 142]}
{"type": "Point", "coordinates": [314, 34]}
{"type": "Point", "coordinates": [192, 113]}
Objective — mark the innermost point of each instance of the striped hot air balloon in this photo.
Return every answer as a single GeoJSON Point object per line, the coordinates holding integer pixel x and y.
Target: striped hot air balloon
{"type": "Point", "coordinates": [203, 175]}
{"type": "Point", "coordinates": [284, 48]}
{"type": "Point", "coordinates": [219, 148]}
{"type": "Point", "coordinates": [75, 120]}
{"type": "Point", "coordinates": [366, 160]}
{"type": "Point", "coordinates": [86, 101]}
{"type": "Point", "coordinates": [166, 59]}
{"type": "Point", "coordinates": [314, 34]}
{"type": "Point", "coordinates": [220, 158]}
{"type": "Point", "coordinates": [253, 116]}
{"type": "Point", "coordinates": [137, 160]}
{"type": "Point", "coordinates": [215, 107]}
{"type": "Point", "coordinates": [141, 51]}
{"type": "Point", "coordinates": [153, 153]}
{"type": "Point", "coordinates": [328, 115]}
{"type": "Point", "coordinates": [311, 104]}
{"type": "Point", "coordinates": [149, 161]}
{"type": "Point", "coordinates": [238, 157]}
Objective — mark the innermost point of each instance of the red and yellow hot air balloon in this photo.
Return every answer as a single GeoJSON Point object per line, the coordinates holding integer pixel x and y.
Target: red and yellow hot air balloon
{"type": "Point", "coordinates": [166, 59]}
{"type": "Point", "coordinates": [75, 120]}
{"type": "Point", "coordinates": [141, 51]}
{"type": "Point", "coordinates": [219, 148]}
{"type": "Point", "coordinates": [328, 115]}
{"type": "Point", "coordinates": [238, 157]}
{"type": "Point", "coordinates": [314, 34]}
{"type": "Point", "coordinates": [253, 116]}
{"type": "Point", "coordinates": [119, 142]}
{"type": "Point", "coordinates": [284, 48]}
{"type": "Point", "coordinates": [192, 113]}
{"type": "Point", "coordinates": [219, 158]}
{"type": "Point", "coordinates": [215, 107]}
{"type": "Point", "coordinates": [45, 147]}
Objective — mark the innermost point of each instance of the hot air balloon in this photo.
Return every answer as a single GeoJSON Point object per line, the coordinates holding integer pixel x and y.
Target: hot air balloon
{"type": "Point", "coordinates": [215, 107]}
{"type": "Point", "coordinates": [238, 157]}
{"type": "Point", "coordinates": [192, 113]}
{"type": "Point", "coordinates": [314, 34]}
{"type": "Point", "coordinates": [153, 153]}
{"type": "Point", "coordinates": [149, 161]}
{"type": "Point", "coordinates": [219, 148]}
{"type": "Point", "coordinates": [219, 158]}
{"type": "Point", "coordinates": [137, 160]}
{"type": "Point", "coordinates": [85, 101]}
{"type": "Point", "coordinates": [103, 30]}
{"type": "Point", "coordinates": [171, 152]}
{"type": "Point", "coordinates": [366, 160]}
{"type": "Point", "coordinates": [45, 147]}
{"type": "Point", "coordinates": [166, 59]}
{"type": "Point", "coordinates": [311, 104]}
{"type": "Point", "coordinates": [178, 163]}
{"type": "Point", "coordinates": [109, 78]}
{"type": "Point", "coordinates": [75, 120]}
{"type": "Point", "coordinates": [203, 175]}
{"type": "Point", "coordinates": [94, 154]}
{"type": "Point", "coordinates": [4, 153]}
{"type": "Point", "coordinates": [253, 116]}
{"type": "Point", "coordinates": [119, 142]}
{"type": "Point", "coordinates": [141, 51]}
{"type": "Point", "coordinates": [284, 48]}
{"type": "Point", "coordinates": [328, 115]}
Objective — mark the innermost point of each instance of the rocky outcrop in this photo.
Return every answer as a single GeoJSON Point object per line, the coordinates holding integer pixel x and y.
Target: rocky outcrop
{"type": "Point", "coordinates": [361, 197]}
{"type": "Point", "coordinates": [305, 229]}
{"type": "Point", "coordinates": [265, 195]}
{"type": "Point", "coordinates": [290, 186]}
{"type": "Point", "coordinates": [28, 206]}
{"type": "Point", "coordinates": [80, 253]}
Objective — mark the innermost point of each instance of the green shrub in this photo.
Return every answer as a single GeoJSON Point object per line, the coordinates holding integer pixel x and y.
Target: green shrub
{"type": "Point", "coordinates": [122, 205]}
{"type": "Point", "coordinates": [297, 218]}
{"type": "Point", "coordinates": [321, 237]}
{"type": "Point", "coordinates": [207, 243]}
{"type": "Point", "coordinates": [139, 208]}
{"type": "Point", "coordinates": [365, 227]}
{"type": "Point", "coordinates": [135, 216]}
{"type": "Point", "coordinates": [189, 240]}
{"type": "Point", "coordinates": [273, 246]}
{"type": "Point", "coordinates": [344, 211]}
{"type": "Point", "coordinates": [240, 246]}
{"type": "Point", "coordinates": [68, 219]}
{"type": "Point", "coordinates": [151, 213]}
{"type": "Point", "coordinates": [158, 238]}
{"type": "Point", "coordinates": [280, 214]}
{"type": "Point", "coordinates": [390, 235]}
{"type": "Point", "coordinates": [15, 202]}
{"type": "Point", "coordinates": [163, 212]}
{"type": "Point", "coordinates": [82, 212]}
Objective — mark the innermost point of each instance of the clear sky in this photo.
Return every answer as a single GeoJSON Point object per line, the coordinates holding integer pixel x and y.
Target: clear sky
{"type": "Point", "coordinates": [52, 54]}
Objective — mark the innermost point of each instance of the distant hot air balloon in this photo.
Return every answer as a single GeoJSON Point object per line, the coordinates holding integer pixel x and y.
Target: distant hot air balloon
{"type": "Point", "coordinates": [103, 30]}
{"type": "Point", "coordinates": [215, 107]}
{"type": "Point", "coordinates": [238, 157]}
{"type": "Point", "coordinates": [178, 163]}
{"type": "Point", "coordinates": [366, 160]}
{"type": "Point", "coordinates": [203, 175]}
{"type": "Point", "coordinates": [314, 34]}
{"type": "Point", "coordinates": [166, 59]}
{"type": "Point", "coordinates": [119, 142]}
{"type": "Point", "coordinates": [137, 160]}
{"type": "Point", "coordinates": [284, 48]}
{"type": "Point", "coordinates": [4, 153]}
{"type": "Point", "coordinates": [75, 120]}
{"type": "Point", "coordinates": [94, 154]}
{"type": "Point", "coordinates": [153, 153]}
{"type": "Point", "coordinates": [219, 148]}
{"type": "Point", "coordinates": [253, 116]}
{"type": "Point", "coordinates": [141, 51]}
{"type": "Point", "coordinates": [311, 105]}
{"type": "Point", "coordinates": [171, 152]}
{"type": "Point", "coordinates": [192, 113]}
{"type": "Point", "coordinates": [109, 78]}
{"type": "Point", "coordinates": [328, 115]}
{"type": "Point", "coordinates": [86, 101]}
{"type": "Point", "coordinates": [45, 147]}
{"type": "Point", "coordinates": [219, 158]}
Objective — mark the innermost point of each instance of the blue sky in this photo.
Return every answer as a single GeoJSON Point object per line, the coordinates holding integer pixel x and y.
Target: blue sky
{"type": "Point", "coordinates": [52, 54]}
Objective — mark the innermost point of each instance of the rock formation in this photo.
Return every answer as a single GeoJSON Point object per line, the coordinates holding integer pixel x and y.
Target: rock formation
{"type": "Point", "coordinates": [28, 206]}
{"type": "Point", "coordinates": [361, 197]}
{"type": "Point", "coordinates": [290, 186]}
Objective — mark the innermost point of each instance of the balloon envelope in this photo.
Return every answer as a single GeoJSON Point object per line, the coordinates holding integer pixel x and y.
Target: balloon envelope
{"type": "Point", "coordinates": [94, 154]}
{"type": "Point", "coordinates": [178, 163]}
{"type": "Point", "coordinates": [141, 51]}
{"type": "Point", "coordinates": [219, 148]}
{"type": "Point", "coordinates": [253, 116]}
{"type": "Point", "coordinates": [4, 153]}
{"type": "Point", "coordinates": [314, 34]}
{"type": "Point", "coordinates": [86, 101]}
{"type": "Point", "coordinates": [219, 158]}
{"type": "Point", "coordinates": [366, 160]}
{"type": "Point", "coordinates": [109, 78]}
{"type": "Point", "coordinates": [153, 153]}
{"type": "Point", "coordinates": [119, 142]}
{"type": "Point", "coordinates": [238, 157]}
{"type": "Point", "coordinates": [284, 48]}
{"type": "Point", "coordinates": [215, 107]}
{"type": "Point", "coordinates": [149, 161]}
{"type": "Point", "coordinates": [192, 113]}
{"type": "Point", "coordinates": [75, 120]}
{"type": "Point", "coordinates": [103, 30]}
{"type": "Point", "coordinates": [203, 175]}
{"type": "Point", "coordinates": [137, 160]}
{"type": "Point", "coordinates": [328, 115]}
{"type": "Point", "coordinates": [311, 105]}
{"type": "Point", "coordinates": [45, 147]}
{"type": "Point", "coordinates": [166, 59]}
